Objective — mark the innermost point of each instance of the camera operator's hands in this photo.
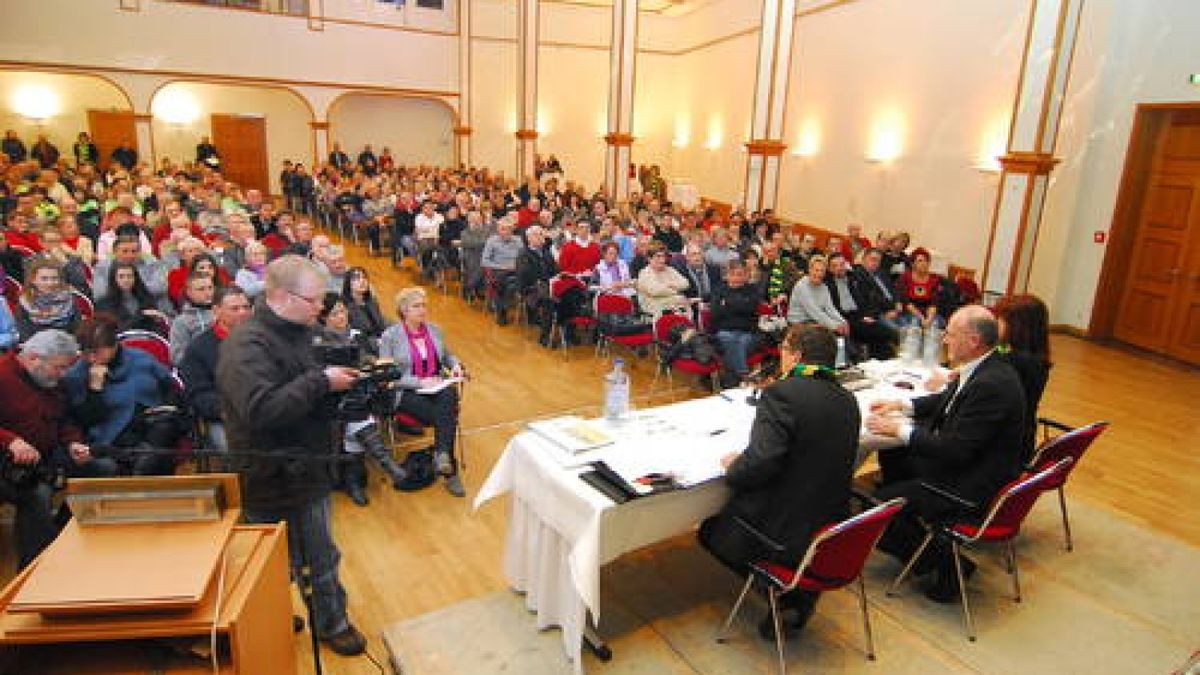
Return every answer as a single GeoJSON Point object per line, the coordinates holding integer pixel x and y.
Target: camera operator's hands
{"type": "Point", "coordinates": [22, 452]}
{"type": "Point", "coordinates": [80, 453]}
{"type": "Point", "coordinates": [458, 371]}
{"type": "Point", "coordinates": [340, 378]}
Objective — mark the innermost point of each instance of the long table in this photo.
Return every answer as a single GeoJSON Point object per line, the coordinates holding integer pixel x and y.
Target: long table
{"type": "Point", "coordinates": [561, 530]}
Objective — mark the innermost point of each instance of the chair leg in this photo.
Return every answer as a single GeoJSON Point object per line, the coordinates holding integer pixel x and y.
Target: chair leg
{"type": "Point", "coordinates": [777, 621]}
{"type": "Point", "coordinates": [862, 602]}
{"type": "Point", "coordinates": [1016, 574]}
{"type": "Point", "coordinates": [723, 632]}
{"type": "Point", "coordinates": [1062, 506]}
{"type": "Point", "coordinates": [962, 591]}
{"type": "Point", "coordinates": [891, 591]}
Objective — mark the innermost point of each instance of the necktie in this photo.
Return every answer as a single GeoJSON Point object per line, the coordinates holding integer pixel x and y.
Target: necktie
{"type": "Point", "coordinates": [944, 405]}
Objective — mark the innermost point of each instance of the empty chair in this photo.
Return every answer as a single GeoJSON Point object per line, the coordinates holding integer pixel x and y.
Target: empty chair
{"type": "Point", "coordinates": [1073, 443]}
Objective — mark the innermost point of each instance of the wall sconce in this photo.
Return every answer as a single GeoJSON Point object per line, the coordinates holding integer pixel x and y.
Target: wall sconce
{"type": "Point", "coordinates": [36, 103]}
{"type": "Point", "coordinates": [715, 130]}
{"type": "Point", "coordinates": [887, 139]}
{"type": "Point", "coordinates": [809, 141]}
{"type": "Point", "coordinates": [176, 107]}
{"type": "Point", "coordinates": [995, 142]}
{"type": "Point", "coordinates": [680, 142]}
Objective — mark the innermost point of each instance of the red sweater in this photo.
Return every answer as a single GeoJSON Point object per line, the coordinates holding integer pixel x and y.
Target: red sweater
{"type": "Point", "coordinates": [29, 240]}
{"type": "Point", "coordinates": [36, 415]}
{"type": "Point", "coordinates": [576, 259]}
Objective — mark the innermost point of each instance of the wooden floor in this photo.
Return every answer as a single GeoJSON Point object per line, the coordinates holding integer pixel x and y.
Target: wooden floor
{"type": "Point", "coordinates": [407, 554]}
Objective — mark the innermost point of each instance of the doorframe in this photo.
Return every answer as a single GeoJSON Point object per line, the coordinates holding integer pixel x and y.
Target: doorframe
{"type": "Point", "coordinates": [1148, 121]}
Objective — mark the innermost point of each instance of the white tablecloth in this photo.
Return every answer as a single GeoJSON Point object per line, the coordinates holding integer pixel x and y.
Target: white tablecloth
{"type": "Point", "coordinates": [561, 530]}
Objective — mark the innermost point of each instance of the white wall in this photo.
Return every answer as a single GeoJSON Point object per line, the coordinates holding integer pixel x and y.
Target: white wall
{"type": "Point", "coordinates": [287, 118]}
{"type": "Point", "coordinates": [494, 85]}
{"type": "Point", "coordinates": [74, 94]}
{"type": "Point", "coordinates": [1129, 53]}
{"type": "Point", "coordinates": [418, 131]}
{"type": "Point", "coordinates": [938, 76]}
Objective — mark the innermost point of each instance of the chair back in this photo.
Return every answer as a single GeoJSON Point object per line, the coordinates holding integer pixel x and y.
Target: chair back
{"type": "Point", "coordinates": [1009, 508]}
{"type": "Point", "coordinates": [664, 324]}
{"type": "Point", "coordinates": [613, 303]}
{"type": "Point", "coordinates": [563, 283]}
{"type": "Point", "coordinates": [149, 342]}
{"type": "Point", "coordinates": [12, 292]}
{"type": "Point", "coordinates": [22, 249]}
{"type": "Point", "coordinates": [838, 551]}
{"type": "Point", "coordinates": [1071, 444]}
{"type": "Point", "coordinates": [83, 303]}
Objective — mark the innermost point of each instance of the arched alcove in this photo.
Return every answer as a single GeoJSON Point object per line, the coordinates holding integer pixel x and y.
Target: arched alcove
{"type": "Point", "coordinates": [60, 103]}
{"type": "Point", "coordinates": [417, 130]}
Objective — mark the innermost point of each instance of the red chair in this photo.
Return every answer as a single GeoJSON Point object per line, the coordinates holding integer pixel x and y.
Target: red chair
{"type": "Point", "coordinates": [1073, 443]}
{"type": "Point", "coordinates": [614, 304]}
{"type": "Point", "coordinates": [12, 292]}
{"type": "Point", "coordinates": [407, 419]}
{"type": "Point", "coordinates": [662, 337]}
{"type": "Point", "coordinates": [24, 250]}
{"type": "Point", "coordinates": [149, 342]}
{"type": "Point", "coordinates": [834, 559]}
{"type": "Point", "coordinates": [558, 286]}
{"type": "Point", "coordinates": [1002, 524]}
{"type": "Point", "coordinates": [83, 303]}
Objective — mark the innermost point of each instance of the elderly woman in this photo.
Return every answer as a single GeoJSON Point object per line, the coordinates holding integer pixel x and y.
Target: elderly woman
{"type": "Point", "coordinates": [252, 275]}
{"type": "Point", "coordinates": [660, 287]}
{"type": "Point", "coordinates": [47, 301]}
{"type": "Point", "coordinates": [111, 388]}
{"type": "Point", "coordinates": [919, 290]}
{"type": "Point", "coordinates": [612, 273]}
{"type": "Point", "coordinates": [420, 351]}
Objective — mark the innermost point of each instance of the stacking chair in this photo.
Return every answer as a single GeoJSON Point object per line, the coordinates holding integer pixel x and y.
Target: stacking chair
{"type": "Point", "coordinates": [618, 305]}
{"type": "Point", "coordinates": [83, 303]}
{"type": "Point", "coordinates": [150, 342]}
{"type": "Point", "coordinates": [835, 558]}
{"type": "Point", "coordinates": [558, 286]}
{"type": "Point", "coordinates": [406, 419]}
{"type": "Point", "coordinates": [662, 332]}
{"type": "Point", "coordinates": [1072, 443]}
{"type": "Point", "coordinates": [1001, 525]}
{"type": "Point", "coordinates": [12, 292]}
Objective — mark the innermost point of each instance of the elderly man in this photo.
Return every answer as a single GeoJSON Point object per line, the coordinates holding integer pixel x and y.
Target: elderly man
{"type": "Point", "coordinates": [500, 255]}
{"type": "Point", "coordinates": [967, 440]}
{"type": "Point", "coordinates": [36, 431]}
{"type": "Point", "coordinates": [703, 278]}
{"type": "Point", "coordinates": [857, 300]}
{"type": "Point", "coordinates": [273, 397]}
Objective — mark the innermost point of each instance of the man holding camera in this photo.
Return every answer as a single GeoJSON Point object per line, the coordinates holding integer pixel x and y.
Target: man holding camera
{"type": "Point", "coordinates": [273, 401]}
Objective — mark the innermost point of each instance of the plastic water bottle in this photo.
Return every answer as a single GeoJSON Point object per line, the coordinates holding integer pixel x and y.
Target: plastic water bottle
{"type": "Point", "coordinates": [932, 353]}
{"type": "Point", "coordinates": [910, 344]}
{"type": "Point", "coordinates": [616, 392]}
{"type": "Point", "coordinates": [841, 361]}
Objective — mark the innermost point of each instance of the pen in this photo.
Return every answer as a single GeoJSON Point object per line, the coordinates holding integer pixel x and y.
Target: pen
{"type": "Point", "coordinates": [724, 396]}
{"type": "Point", "coordinates": [718, 432]}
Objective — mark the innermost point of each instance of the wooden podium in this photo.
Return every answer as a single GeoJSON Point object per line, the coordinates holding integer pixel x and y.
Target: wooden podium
{"type": "Point", "coordinates": [150, 596]}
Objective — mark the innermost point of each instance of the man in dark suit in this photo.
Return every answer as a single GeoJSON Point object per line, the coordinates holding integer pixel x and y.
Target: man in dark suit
{"type": "Point", "coordinates": [702, 277]}
{"type": "Point", "coordinates": [966, 440]}
{"type": "Point", "coordinates": [858, 300]}
{"type": "Point", "coordinates": [794, 476]}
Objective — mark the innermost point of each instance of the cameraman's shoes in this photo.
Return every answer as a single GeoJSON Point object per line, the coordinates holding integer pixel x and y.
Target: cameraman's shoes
{"type": "Point", "coordinates": [349, 642]}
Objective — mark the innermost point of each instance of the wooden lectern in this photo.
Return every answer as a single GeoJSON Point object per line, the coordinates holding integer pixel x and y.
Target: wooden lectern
{"type": "Point", "coordinates": [129, 593]}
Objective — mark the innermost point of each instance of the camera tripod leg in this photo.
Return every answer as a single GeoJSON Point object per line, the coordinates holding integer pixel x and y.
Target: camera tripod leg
{"type": "Point", "coordinates": [305, 582]}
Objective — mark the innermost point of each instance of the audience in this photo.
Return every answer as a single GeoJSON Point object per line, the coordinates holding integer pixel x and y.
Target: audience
{"type": "Point", "coordinates": [47, 302]}
{"type": "Point", "coordinates": [198, 367]}
{"type": "Point", "coordinates": [919, 291]}
{"type": "Point", "coordinates": [811, 301]}
{"type": "Point", "coordinates": [196, 315]}
{"type": "Point", "coordinates": [660, 287]}
{"type": "Point", "coordinates": [129, 301]}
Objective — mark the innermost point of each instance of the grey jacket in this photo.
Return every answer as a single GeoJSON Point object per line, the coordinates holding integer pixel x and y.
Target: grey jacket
{"type": "Point", "coordinates": [394, 345]}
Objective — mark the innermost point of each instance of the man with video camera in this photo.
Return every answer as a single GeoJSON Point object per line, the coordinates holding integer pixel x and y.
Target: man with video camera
{"type": "Point", "coordinates": [280, 432]}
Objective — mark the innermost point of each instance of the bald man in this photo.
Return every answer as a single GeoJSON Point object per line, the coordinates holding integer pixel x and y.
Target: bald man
{"type": "Point", "coordinates": [966, 440]}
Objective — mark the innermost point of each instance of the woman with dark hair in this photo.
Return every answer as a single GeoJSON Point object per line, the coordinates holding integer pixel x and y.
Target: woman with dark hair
{"type": "Point", "coordinates": [46, 301]}
{"type": "Point", "coordinates": [360, 301]}
{"type": "Point", "coordinates": [919, 290]}
{"type": "Point", "coordinates": [115, 391]}
{"type": "Point", "coordinates": [1025, 344]}
{"type": "Point", "coordinates": [130, 302]}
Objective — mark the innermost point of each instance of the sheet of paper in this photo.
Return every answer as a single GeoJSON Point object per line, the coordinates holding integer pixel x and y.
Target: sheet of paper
{"type": "Point", "coordinates": [448, 382]}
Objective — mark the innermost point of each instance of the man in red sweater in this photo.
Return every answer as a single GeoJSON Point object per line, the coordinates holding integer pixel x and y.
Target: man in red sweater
{"type": "Point", "coordinates": [581, 254]}
{"type": "Point", "coordinates": [19, 234]}
{"type": "Point", "coordinates": [34, 426]}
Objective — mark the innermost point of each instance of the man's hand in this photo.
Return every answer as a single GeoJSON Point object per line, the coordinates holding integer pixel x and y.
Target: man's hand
{"type": "Point", "coordinates": [80, 453]}
{"type": "Point", "coordinates": [97, 374]}
{"type": "Point", "coordinates": [729, 459]}
{"type": "Point", "coordinates": [887, 406]}
{"type": "Point", "coordinates": [883, 426]}
{"type": "Point", "coordinates": [340, 378]}
{"type": "Point", "coordinates": [22, 452]}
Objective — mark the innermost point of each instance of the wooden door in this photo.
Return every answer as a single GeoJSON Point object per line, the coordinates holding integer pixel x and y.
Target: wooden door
{"type": "Point", "coordinates": [242, 142]}
{"type": "Point", "coordinates": [1160, 305]}
{"type": "Point", "coordinates": [109, 128]}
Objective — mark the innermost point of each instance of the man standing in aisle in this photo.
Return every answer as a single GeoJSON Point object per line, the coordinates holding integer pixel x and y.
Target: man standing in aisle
{"type": "Point", "coordinates": [273, 395]}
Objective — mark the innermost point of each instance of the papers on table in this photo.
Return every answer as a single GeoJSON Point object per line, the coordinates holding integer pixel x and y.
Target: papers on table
{"type": "Point", "coordinates": [572, 434]}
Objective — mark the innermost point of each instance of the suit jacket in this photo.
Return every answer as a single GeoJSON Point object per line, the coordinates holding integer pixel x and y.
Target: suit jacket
{"type": "Point", "coordinates": [693, 289]}
{"type": "Point", "coordinates": [973, 445]}
{"type": "Point", "coordinates": [794, 477]}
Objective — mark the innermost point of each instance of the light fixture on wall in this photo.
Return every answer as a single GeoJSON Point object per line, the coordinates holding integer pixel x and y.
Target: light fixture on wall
{"type": "Point", "coordinates": [993, 146]}
{"type": "Point", "coordinates": [715, 131]}
{"type": "Point", "coordinates": [887, 138]}
{"type": "Point", "coordinates": [176, 106]}
{"type": "Point", "coordinates": [808, 143]}
{"type": "Point", "coordinates": [36, 102]}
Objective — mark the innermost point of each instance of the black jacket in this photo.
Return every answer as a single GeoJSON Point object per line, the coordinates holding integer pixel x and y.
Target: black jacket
{"type": "Point", "coordinates": [366, 317]}
{"type": "Point", "coordinates": [876, 288]}
{"type": "Point", "coordinates": [534, 267]}
{"type": "Point", "coordinates": [273, 398]}
{"type": "Point", "coordinates": [1034, 373]}
{"type": "Point", "coordinates": [794, 477]}
{"type": "Point", "coordinates": [974, 447]}
{"type": "Point", "coordinates": [735, 308]}
{"type": "Point", "coordinates": [198, 370]}
{"type": "Point", "coordinates": [693, 289]}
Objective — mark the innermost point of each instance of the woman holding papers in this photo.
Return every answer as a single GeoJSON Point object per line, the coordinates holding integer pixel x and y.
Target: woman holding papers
{"type": "Point", "coordinates": [427, 389]}
{"type": "Point", "coordinates": [794, 476]}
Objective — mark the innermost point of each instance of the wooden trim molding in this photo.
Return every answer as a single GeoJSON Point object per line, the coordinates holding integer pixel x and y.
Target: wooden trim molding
{"type": "Point", "coordinates": [1033, 163]}
{"type": "Point", "coordinates": [319, 126]}
{"type": "Point", "coordinates": [526, 134]}
{"type": "Point", "coordinates": [766, 147]}
{"type": "Point", "coordinates": [142, 117]}
{"type": "Point", "coordinates": [619, 139]}
{"type": "Point", "coordinates": [130, 5]}
{"type": "Point", "coordinates": [462, 131]}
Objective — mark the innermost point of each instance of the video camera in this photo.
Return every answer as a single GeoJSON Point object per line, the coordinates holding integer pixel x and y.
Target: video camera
{"type": "Point", "coordinates": [371, 390]}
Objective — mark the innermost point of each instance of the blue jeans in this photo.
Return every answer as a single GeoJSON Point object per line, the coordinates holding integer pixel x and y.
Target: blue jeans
{"type": "Point", "coordinates": [309, 533]}
{"type": "Point", "coordinates": [735, 347]}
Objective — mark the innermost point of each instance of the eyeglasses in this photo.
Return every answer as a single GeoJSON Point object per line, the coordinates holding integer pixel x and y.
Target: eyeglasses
{"type": "Point", "coordinates": [310, 301]}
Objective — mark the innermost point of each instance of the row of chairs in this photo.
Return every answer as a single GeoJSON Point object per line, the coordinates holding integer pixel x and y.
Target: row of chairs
{"type": "Point", "coordinates": [837, 554]}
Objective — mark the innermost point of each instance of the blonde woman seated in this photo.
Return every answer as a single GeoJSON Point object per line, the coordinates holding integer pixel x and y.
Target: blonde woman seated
{"type": "Point", "coordinates": [660, 287]}
{"type": "Point", "coordinates": [420, 351]}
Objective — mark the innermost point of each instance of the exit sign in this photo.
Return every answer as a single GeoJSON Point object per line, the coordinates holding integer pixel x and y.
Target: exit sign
{"type": "Point", "coordinates": [1194, 78]}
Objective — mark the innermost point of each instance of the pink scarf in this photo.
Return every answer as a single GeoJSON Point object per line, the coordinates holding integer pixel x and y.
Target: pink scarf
{"type": "Point", "coordinates": [427, 365]}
